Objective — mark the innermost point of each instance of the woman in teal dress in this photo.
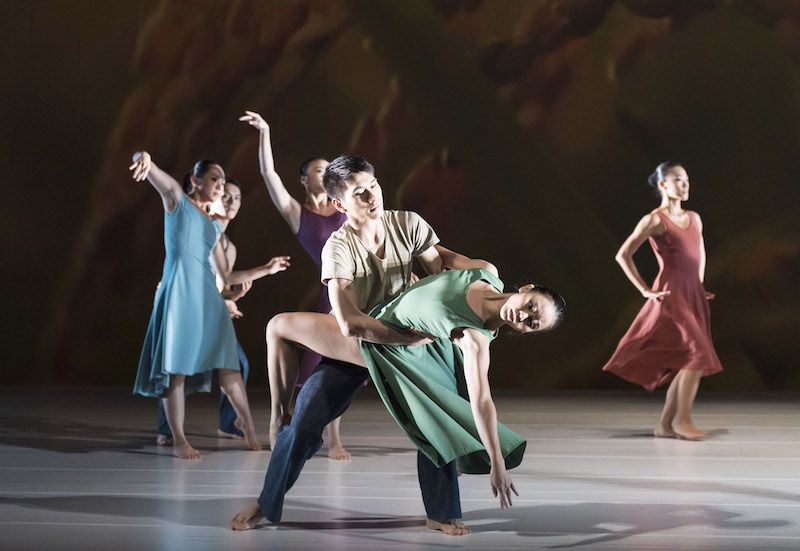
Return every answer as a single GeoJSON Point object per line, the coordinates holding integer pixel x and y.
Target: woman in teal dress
{"type": "Point", "coordinates": [190, 333]}
{"type": "Point", "coordinates": [439, 392]}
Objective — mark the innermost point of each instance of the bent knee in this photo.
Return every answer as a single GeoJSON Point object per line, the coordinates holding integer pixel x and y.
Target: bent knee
{"type": "Point", "coordinates": [276, 327]}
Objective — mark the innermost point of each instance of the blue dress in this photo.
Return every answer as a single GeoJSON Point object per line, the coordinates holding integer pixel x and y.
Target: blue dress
{"type": "Point", "coordinates": [190, 330]}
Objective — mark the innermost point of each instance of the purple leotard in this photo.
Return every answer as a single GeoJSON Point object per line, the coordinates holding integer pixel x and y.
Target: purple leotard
{"type": "Point", "coordinates": [313, 233]}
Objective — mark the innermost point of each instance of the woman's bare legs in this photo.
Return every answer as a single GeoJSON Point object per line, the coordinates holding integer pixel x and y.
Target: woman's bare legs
{"type": "Point", "coordinates": [687, 390]}
{"type": "Point", "coordinates": [174, 408]}
{"type": "Point", "coordinates": [335, 448]}
{"type": "Point", "coordinates": [678, 407]}
{"type": "Point", "coordinates": [317, 332]}
{"type": "Point", "coordinates": [664, 428]}
{"type": "Point", "coordinates": [230, 380]}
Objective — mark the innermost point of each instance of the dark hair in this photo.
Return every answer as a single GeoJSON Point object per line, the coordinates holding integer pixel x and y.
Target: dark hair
{"type": "Point", "coordinates": [341, 170]}
{"type": "Point", "coordinates": [201, 167]}
{"type": "Point", "coordinates": [304, 166]}
{"type": "Point", "coordinates": [233, 182]}
{"type": "Point", "coordinates": [559, 304]}
{"type": "Point", "coordinates": [186, 184]}
{"type": "Point", "coordinates": [659, 174]}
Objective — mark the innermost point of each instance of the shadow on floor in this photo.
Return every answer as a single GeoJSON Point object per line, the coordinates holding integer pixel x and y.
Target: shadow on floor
{"type": "Point", "coordinates": [598, 522]}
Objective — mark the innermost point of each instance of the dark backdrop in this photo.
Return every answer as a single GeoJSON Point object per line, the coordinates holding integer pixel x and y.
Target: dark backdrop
{"type": "Point", "coordinates": [522, 131]}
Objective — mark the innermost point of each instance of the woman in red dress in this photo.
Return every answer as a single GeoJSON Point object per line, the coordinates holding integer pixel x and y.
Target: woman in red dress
{"type": "Point", "coordinates": [670, 339]}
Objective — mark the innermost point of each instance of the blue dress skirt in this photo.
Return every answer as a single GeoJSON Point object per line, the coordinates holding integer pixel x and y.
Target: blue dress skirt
{"type": "Point", "coordinates": [190, 330]}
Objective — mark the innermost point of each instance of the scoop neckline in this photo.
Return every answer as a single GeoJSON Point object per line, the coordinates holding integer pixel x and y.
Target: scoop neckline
{"type": "Point", "coordinates": [691, 219]}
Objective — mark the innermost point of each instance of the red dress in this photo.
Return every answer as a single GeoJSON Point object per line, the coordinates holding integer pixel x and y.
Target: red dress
{"type": "Point", "coordinates": [672, 332]}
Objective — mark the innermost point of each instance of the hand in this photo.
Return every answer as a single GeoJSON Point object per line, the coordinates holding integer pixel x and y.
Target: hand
{"type": "Point", "coordinates": [140, 166]}
{"type": "Point", "coordinates": [502, 485]}
{"type": "Point", "coordinates": [254, 119]}
{"type": "Point", "coordinates": [420, 338]}
{"type": "Point", "coordinates": [413, 279]}
{"type": "Point", "coordinates": [649, 293]}
{"type": "Point", "coordinates": [233, 309]}
{"type": "Point", "coordinates": [277, 264]}
{"type": "Point", "coordinates": [709, 296]}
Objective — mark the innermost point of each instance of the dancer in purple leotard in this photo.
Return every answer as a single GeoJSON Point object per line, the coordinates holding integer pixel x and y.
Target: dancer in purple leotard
{"type": "Point", "coordinates": [312, 223]}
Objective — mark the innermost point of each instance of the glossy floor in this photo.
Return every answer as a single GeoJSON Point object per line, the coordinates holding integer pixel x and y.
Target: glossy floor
{"type": "Point", "coordinates": [79, 470]}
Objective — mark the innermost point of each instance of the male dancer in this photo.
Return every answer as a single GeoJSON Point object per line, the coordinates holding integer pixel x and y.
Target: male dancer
{"type": "Point", "coordinates": [364, 263]}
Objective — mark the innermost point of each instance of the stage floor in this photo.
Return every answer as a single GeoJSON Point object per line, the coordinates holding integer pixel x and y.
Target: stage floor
{"type": "Point", "coordinates": [80, 470]}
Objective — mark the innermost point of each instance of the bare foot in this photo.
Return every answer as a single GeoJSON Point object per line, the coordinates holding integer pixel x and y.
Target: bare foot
{"type": "Point", "coordinates": [275, 425]}
{"type": "Point", "coordinates": [231, 435]}
{"type": "Point", "coordinates": [664, 431]}
{"type": "Point", "coordinates": [687, 431]}
{"type": "Point", "coordinates": [247, 519]}
{"type": "Point", "coordinates": [163, 440]}
{"type": "Point", "coordinates": [451, 527]}
{"type": "Point", "coordinates": [184, 451]}
{"type": "Point", "coordinates": [252, 439]}
{"type": "Point", "coordinates": [337, 451]}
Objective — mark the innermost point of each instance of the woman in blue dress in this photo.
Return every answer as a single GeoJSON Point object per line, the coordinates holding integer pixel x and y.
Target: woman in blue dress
{"type": "Point", "coordinates": [190, 333]}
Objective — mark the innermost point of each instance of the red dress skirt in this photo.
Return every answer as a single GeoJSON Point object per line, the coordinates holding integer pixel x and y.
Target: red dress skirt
{"type": "Point", "coordinates": [672, 332]}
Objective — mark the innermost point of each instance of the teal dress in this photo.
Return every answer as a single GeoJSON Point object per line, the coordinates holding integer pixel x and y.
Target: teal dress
{"type": "Point", "coordinates": [190, 330]}
{"type": "Point", "coordinates": [423, 387]}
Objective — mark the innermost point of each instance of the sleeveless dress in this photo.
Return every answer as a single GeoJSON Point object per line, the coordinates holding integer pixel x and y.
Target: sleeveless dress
{"type": "Point", "coordinates": [190, 330]}
{"type": "Point", "coordinates": [423, 387]}
{"type": "Point", "coordinates": [673, 332]}
{"type": "Point", "coordinates": [314, 231]}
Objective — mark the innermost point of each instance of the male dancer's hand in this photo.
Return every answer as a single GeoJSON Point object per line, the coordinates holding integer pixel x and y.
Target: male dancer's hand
{"type": "Point", "coordinates": [422, 337]}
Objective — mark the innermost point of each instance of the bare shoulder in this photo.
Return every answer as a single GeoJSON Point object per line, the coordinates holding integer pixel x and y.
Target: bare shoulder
{"type": "Point", "coordinates": [697, 219]}
{"type": "Point", "coordinates": [650, 225]}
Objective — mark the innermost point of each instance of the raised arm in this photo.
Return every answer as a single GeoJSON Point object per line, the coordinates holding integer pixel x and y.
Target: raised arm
{"type": "Point", "coordinates": [355, 323]}
{"type": "Point", "coordinates": [168, 188]}
{"type": "Point", "coordinates": [287, 205]}
{"type": "Point", "coordinates": [234, 277]}
{"type": "Point", "coordinates": [648, 226]}
{"type": "Point", "coordinates": [475, 346]}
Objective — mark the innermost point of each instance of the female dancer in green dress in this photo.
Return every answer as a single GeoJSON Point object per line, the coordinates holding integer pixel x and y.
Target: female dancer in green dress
{"type": "Point", "coordinates": [439, 392]}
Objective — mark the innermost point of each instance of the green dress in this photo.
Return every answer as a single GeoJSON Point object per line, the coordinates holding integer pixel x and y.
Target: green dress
{"type": "Point", "coordinates": [423, 387]}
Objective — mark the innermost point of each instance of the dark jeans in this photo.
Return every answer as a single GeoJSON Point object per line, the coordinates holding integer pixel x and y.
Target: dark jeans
{"type": "Point", "coordinates": [325, 396]}
{"type": "Point", "coordinates": [227, 415]}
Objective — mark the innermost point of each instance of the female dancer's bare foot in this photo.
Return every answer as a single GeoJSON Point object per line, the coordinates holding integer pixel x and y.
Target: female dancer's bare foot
{"type": "Point", "coordinates": [247, 519]}
{"type": "Point", "coordinates": [664, 431]}
{"type": "Point", "coordinates": [163, 440]}
{"type": "Point", "coordinates": [252, 439]}
{"type": "Point", "coordinates": [687, 431]}
{"type": "Point", "coordinates": [275, 425]}
{"type": "Point", "coordinates": [184, 451]}
{"type": "Point", "coordinates": [452, 527]}
{"type": "Point", "coordinates": [337, 451]}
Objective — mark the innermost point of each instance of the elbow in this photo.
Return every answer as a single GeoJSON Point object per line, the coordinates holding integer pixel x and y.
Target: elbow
{"type": "Point", "coordinates": [621, 257]}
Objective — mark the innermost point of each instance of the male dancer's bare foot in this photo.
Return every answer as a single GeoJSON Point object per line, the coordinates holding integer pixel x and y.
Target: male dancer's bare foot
{"type": "Point", "coordinates": [664, 431]}
{"type": "Point", "coordinates": [184, 451]}
{"type": "Point", "coordinates": [687, 431]}
{"type": "Point", "coordinates": [275, 425]}
{"type": "Point", "coordinates": [233, 436]}
{"type": "Point", "coordinates": [163, 440]}
{"type": "Point", "coordinates": [452, 527]}
{"type": "Point", "coordinates": [337, 451]}
{"type": "Point", "coordinates": [247, 519]}
{"type": "Point", "coordinates": [239, 424]}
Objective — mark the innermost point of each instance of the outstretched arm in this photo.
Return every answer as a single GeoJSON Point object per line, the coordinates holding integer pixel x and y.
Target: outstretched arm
{"type": "Point", "coordinates": [647, 227]}
{"type": "Point", "coordinates": [283, 201]}
{"type": "Point", "coordinates": [355, 323]}
{"type": "Point", "coordinates": [475, 346]}
{"type": "Point", "coordinates": [231, 277]}
{"type": "Point", "coordinates": [168, 188]}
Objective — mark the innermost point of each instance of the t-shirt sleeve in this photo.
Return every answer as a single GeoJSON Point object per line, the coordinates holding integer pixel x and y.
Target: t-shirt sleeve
{"type": "Point", "coordinates": [422, 235]}
{"type": "Point", "coordinates": [337, 261]}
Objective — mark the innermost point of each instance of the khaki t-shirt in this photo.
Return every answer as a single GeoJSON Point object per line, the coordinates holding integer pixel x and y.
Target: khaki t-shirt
{"type": "Point", "coordinates": [375, 279]}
